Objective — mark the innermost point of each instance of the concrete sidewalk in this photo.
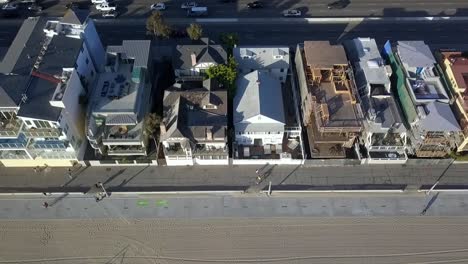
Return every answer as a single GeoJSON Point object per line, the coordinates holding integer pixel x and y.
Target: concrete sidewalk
{"type": "Point", "coordinates": [152, 178]}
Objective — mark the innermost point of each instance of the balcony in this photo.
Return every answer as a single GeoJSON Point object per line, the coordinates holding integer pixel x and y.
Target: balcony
{"type": "Point", "coordinates": [207, 150]}
{"type": "Point", "coordinates": [10, 128]}
{"type": "Point", "coordinates": [46, 132]}
{"type": "Point", "coordinates": [126, 151]}
{"type": "Point", "coordinates": [123, 135]}
{"type": "Point", "coordinates": [14, 154]}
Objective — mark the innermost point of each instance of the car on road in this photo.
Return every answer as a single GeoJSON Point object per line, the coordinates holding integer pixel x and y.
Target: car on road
{"type": "Point", "coordinates": [158, 7]}
{"type": "Point", "coordinates": [79, 5]}
{"type": "Point", "coordinates": [197, 11]}
{"type": "Point", "coordinates": [35, 8]}
{"type": "Point", "coordinates": [292, 13]}
{"type": "Point", "coordinates": [179, 33]}
{"type": "Point", "coordinates": [256, 4]}
{"type": "Point", "coordinates": [188, 5]}
{"type": "Point", "coordinates": [340, 4]}
{"type": "Point", "coordinates": [98, 2]}
{"type": "Point", "coordinates": [10, 7]}
{"type": "Point", "coordinates": [110, 14]}
{"type": "Point", "coordinates": [106, 7]}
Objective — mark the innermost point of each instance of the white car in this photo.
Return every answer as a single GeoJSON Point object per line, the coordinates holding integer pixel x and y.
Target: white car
{"type": "Point", "coordinates": [292, 13]}
{"type": "Point", "coordinates": [106, 7]}
{"type": "Point", "coordinates": [98, 2]}
{"type": "Point", "coordinates": [188, 5]}
{"type": "Point", "coordinates": [158, 7]}
{"type": "Point", "coordinates": [110, 14]}
{"type": "Point", "coordinates": [10, 7]}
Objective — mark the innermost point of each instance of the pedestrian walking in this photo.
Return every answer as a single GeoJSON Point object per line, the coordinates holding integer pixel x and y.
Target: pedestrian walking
{"type": "Point", "coordinates": [35, 169]}
{"type": "Point", "coordinates": [256, 171]}
{"type": "Point", "coordinates": [45, 204]}
{"type": "Point", "coordinates": [70, 173]}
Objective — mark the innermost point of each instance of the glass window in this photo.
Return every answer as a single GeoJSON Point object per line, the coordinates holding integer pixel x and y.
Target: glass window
{"type": "Point", "coordinates": [28, 122]}
{"type": "Point", "coordinates": [87, 61]}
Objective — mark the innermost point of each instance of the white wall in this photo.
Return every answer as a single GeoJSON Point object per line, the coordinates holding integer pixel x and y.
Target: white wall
{"type": "Point", "coordinates": [267, 161]}
{"type": "Point", "coordinates": [179, 162]}
{"type": "Point", "coordinates": [93, 42]}
{"type": "Point", "coordinates": [84, 69]}
{"type": "Point", "coordinates": [73, 114]}
{"type": "Point", "coordinates": [211, 162]}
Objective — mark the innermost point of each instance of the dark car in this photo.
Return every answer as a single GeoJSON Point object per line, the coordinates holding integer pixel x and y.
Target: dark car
{"type": "Point", "coordinates": [179, 33]}
{"type": "Point", "coordinates": [227, 1]}
{"type": "Point", "coordinates": [80, 5]}
{"type": "Point", "coordinates": [340, 4]}
{"type": "Point", "coordinates": [256, 4]}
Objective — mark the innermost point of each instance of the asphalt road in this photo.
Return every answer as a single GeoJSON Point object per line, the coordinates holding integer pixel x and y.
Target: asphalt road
{"type": "Point", "coordinates": [231, 205]}
{"type": "Point", "coordinates": [206, 178]}
{"type": "Point", "coordinates": [274, 8]}
{"type": "Point", "coordinates": [264, 32]}
{"type": "Point", "coordinates": [267, 240]}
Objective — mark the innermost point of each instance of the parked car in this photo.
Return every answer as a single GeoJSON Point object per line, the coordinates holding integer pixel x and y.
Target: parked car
{"type": "Point", "coordinates": [292, 13]}
{"type": "Point", "coordinates": [256, 4]}
{"type": "Point", "coordinates": [197, 11]}
{"type": "Point", "coordinates": [10, 7]}
{"type": "Point", "coordinates": [35, 8]}
{"type": "Point", "coordinates": [158, 7]}
{"type": "Point", "coordinates": [79, 5]}
{"type": "Point", "coordinates": [179, 33]}
{"type": "Point", "coordinates": [106, 7]}
{"type": "Point", "coordinates": [188, 5]}
{"type": "Point", "coordinates": [98, 2]}
{"type": "Point", "coordinates": [110, 14]}
{"type": "Point", "coordinates": [340, 4]}
{"type": "Point", "coordinates": [28, 2]}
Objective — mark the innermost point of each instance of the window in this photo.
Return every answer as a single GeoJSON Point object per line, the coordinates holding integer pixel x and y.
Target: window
{"type": "Point", "coordinates": [87, 61]}
{"type": "Point", "coordinates": [92, 73]}
{"type": "Point", "coordinates": [82, 49]}
{"type": "Point", "coordinates": [281, 78]}
{"type": "Point", "coordinates": [28, 122]}
{"type": "Point", "coordinates": [282, 70]}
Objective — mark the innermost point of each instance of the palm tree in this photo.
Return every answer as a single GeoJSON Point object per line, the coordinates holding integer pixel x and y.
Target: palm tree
{"type": "Point", "coordinates": [152, 122]}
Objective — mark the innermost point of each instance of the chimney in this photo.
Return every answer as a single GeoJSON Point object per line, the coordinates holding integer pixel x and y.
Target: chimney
{"type": "Point", "coordinates": [193, 56]}
{"type": "Point", "coordinates": [209, 134]}
{"type": "Point", "coordinates": [162, 128]}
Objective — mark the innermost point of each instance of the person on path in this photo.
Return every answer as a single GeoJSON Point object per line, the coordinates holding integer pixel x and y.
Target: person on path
{"type": "Point", "coordinates": [45, 204]}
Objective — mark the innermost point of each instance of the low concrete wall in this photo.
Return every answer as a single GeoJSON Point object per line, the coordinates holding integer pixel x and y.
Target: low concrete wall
{"type": "Point", "coordinates": [267, 161]}
{"type": "Point", "coordinates": [331, 162]}
{"type": "Point", "coordinates": [416, 162]}
{"type": "Point", "coordinates": [205, 162]}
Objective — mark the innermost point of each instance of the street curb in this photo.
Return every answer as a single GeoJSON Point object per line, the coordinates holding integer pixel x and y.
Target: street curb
{"type": "Point", "coordinates": [444, 190]}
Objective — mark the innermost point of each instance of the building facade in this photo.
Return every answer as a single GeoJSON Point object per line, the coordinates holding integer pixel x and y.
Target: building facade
{"type": "Point", "coordinates": [121, 99]}
{"type": "Point", "coordinates": [385, 134]}
{"type": "Point", "coordinates": [191, 61]}
{"type": "Point", "coordinates": [275, 60]}
{"type": "Point", "coordinates": [330, 110]}
{"type": "Point", "coordinates": [194, 126]}
{"type": "Point", "coordinates": [455, 66]}
{"type": "Point", "coordinates": [435, 131]}
{"type": "Point", "coordinates": [46, 71]}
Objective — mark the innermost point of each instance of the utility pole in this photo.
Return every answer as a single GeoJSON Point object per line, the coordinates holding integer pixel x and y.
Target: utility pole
{"type": "Point", "coordinates": [438, 180]}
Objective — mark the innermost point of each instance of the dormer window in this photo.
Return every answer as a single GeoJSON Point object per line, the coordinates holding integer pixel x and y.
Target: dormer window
{"type": "Point", "coordinates": [278, 57]}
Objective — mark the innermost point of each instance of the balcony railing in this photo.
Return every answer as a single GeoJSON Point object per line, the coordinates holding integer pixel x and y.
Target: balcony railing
{"type": "Point", "coordinates": [10, 128]}
{"type": "Point", "coordinates": [49, 132]}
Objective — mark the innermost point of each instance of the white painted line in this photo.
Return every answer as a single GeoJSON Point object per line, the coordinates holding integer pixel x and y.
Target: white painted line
{"type": "Point", "coordinates": [444, 190]}
{"type": "Point", "coordinates": [337, 191]}
{"type": "Point", "coordinates": [177, 192]}
{"type": "Point", "coordinates": [215, 20]}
